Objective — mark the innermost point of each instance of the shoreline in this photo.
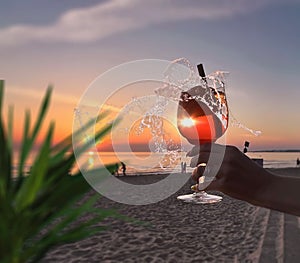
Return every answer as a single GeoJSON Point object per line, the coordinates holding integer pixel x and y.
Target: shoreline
{"type": "Point", "coordinates": [284, 171]}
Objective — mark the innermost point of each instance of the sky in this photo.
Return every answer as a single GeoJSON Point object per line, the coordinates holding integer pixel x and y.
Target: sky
{"type": "Point", "coordinates": [68, 44]}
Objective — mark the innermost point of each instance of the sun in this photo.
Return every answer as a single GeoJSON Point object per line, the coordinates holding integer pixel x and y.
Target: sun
{"type": "Point", "coordinates": [187, 122]}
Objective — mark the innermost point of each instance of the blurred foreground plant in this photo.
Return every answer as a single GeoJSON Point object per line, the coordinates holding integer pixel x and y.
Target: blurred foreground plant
{"type": "Point", "coordinates": [36, 211]}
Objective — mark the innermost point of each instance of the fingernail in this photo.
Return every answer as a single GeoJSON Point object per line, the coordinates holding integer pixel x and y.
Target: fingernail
{"type": "Point", "coordinates": [195, 188]}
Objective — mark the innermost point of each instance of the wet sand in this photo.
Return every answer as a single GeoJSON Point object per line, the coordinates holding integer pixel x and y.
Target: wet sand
{"type": "Point", "coordinates": [229, 231]}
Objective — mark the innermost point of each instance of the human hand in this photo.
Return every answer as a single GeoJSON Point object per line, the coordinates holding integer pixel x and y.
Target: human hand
{"type": "Point", "coordinates": [237, 175]}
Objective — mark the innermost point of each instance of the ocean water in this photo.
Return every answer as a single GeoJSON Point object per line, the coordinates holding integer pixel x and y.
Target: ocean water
{"type": "Point", "coordinates": [137, 162]}
{"type": "Point", "coordinates": [276, 159]}
{"type": "Point", "coordinates": [146, 163]}
{"type": "Point", "coordinates": [141, 163]}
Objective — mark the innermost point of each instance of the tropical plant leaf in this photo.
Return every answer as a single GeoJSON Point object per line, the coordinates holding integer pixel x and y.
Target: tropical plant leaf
{"type": "Point", "coordinates": [67, 142]}
{"type": "Point", "coordinates": [1, 95]}
{"type": "Point", "coordinates": [42, 209]}
{"type": "Point", "coordinates": [31, 186]}
{"type": "Point", "coordinates": [29, 139]}
{"type": "Point", "coordinates": [5, 161]}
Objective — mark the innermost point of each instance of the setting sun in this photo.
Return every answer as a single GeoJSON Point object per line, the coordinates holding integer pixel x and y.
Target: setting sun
{"type": "Point", "coordinates": [187, 122]}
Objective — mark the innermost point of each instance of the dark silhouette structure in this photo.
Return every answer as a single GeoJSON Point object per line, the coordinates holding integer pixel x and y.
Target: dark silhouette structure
{"type": "Point", "coordinates": [246, 145]}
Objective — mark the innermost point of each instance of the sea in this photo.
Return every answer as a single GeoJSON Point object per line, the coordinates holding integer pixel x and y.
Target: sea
{"type": "Point", "coordinates": [147, 163]}
{"type": "Point", "coordinates": [143, 163]}
{"type": "Point", "coordinates": [276, 159]}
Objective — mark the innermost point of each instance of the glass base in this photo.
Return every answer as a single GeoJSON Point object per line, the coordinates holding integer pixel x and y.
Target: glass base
{"type": "Point", "coordinates": [200, 198]}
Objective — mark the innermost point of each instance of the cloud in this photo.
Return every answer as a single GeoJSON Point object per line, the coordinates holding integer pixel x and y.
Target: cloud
{"type": "Point", "coordinates": [58, 97]}
{"type": "Point", "coordinates": [115, 16]}
{"type": "Point", "coordinates": [37, 94]}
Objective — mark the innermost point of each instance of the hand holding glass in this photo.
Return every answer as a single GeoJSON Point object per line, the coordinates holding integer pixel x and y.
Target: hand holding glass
{"type": "Point", "coordinates": [202, 117]}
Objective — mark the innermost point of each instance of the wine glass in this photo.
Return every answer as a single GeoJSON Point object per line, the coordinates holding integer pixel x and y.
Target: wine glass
{"type": "Point", "coordinates": [202, 117]}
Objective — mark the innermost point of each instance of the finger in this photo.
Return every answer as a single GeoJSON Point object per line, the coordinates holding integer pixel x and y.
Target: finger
{"type": "Point", "coordinates": [195, 175]}
{"type": "Point", "coordinates": [198, 172]}
{"type": "Point", "coordinates": [202, 158]}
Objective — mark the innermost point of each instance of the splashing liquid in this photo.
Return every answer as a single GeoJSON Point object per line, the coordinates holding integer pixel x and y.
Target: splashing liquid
{"type": "Point", "coordinates": [208, 106]}
{"type": "Point", "coordinates": [202, 99]}
{"type": "Point", "coordinates": [213, 86]}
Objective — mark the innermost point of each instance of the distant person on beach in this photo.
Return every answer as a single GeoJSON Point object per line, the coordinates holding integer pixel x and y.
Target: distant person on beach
{"type": "Point", "coordinates": [298, 162]}
{"type": "Point", "coordinates": [184, 167]}
{"type": "Point", "coordinates": [241, 178]}
{"type": "Point", "coordinates": [123, 168]}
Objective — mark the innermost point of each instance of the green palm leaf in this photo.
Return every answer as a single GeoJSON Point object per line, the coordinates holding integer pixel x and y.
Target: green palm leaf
{"type": "Point", "coordinates": [39, 211]}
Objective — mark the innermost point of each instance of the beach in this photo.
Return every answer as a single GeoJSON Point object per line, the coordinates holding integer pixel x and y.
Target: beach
{"type": "Point", "coordinates": [173, 231]}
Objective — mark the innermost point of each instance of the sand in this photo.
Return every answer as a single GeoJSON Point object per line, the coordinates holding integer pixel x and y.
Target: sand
{"type": "Point", "coordinates": [229, 231]}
